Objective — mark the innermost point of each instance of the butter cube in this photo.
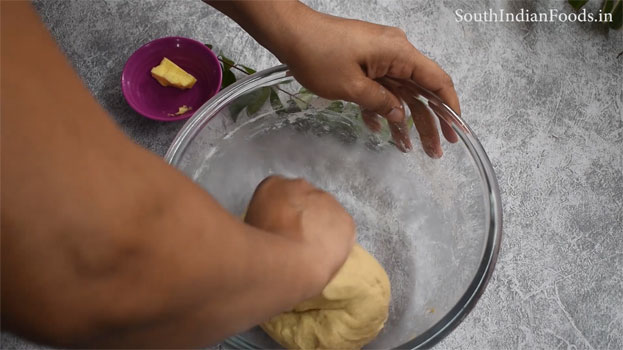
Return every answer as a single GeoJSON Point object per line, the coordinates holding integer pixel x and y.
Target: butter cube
{"type": "Point", "coordinates": [181, 110]}
{"type": "Point", "coordinates": [168, 73]}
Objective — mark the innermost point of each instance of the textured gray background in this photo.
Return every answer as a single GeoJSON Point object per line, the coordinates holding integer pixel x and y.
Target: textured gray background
{"type": "Point", "coordinates": [545, 100]}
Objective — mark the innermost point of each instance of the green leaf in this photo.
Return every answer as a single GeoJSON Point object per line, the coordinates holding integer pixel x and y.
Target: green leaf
{"type": "Point", "coordinates": [617, 15]}
{"type": "Point", "coordinates": [352, 110]}
{"type": "Point", "coordinates": [291, 106]}
{"type": "Point", "coordinates": [252, 101]}
{"type": "Point", "coordinates": [227, 62]}
{"type": "Point", "coordinates": [577, 4]}
{"type": "Point", "coordinates": [615, 9]}
{"type": "Point", "coordinates": [275, 101]}
{"type": "Point", "coordinates": [607, 6]}
{"type": "Point", "coordinates": [409, 123]}
{"type": "Point", "coordinates": [255, 105]}
{"type": "Point", "coordinates": [235, 109]}
{"type": "Point", "coordinates": [247, 69]}
{"type": "Point", "coordinates": [209, 46]}
{"type": "Point", "coordinates": [303, 98]}
{"type": "Point", "coordinates": [385, 133]}
{"type": "Point", "coordinates": [228, 78]}
{"type": "Point", "coordinates": [336, 106]}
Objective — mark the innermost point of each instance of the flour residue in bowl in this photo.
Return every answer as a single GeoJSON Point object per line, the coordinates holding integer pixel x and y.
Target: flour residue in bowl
{"type": "Point", "coordinates": [420, 218]}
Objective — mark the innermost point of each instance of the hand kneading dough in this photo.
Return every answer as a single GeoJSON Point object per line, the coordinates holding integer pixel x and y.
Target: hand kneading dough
{"type": "Point", "coordinates": [348, 314]}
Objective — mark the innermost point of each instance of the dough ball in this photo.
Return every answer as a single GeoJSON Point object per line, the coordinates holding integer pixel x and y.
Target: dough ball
{"type": "Point", "coordinates": [349, 313]}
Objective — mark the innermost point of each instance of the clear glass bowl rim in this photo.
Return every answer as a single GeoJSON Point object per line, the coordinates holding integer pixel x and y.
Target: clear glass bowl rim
{"type": "Point", "coordinates": [494, 235]}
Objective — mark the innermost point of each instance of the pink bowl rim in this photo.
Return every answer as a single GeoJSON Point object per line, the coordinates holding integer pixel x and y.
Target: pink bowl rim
{"type": "Point", "coordinates": [186, 115]}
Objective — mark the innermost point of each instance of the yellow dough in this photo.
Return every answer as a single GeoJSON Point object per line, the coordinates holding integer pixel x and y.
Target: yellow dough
{"type": "Point", "coordinates": [348, 314]}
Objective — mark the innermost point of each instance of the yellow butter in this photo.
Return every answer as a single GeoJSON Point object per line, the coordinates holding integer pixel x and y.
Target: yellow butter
{"type": "Point", "coordinates": [168, 73]}
{"type": "Point", "coordinates": [181, 110]}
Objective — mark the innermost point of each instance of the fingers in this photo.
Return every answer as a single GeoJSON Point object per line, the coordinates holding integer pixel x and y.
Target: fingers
{"type": "Point", "coordinates": [430, 76]}
{"type": "Point", "coordinates": [412, 64]}
{"type": "Point", "coordinates": [374, 97]}
{"type": "Point", "coordinates": [423, 120]}
{"type": "Point", "coordinates": [425, 125]}
{"type": "Point", "coordinates": [411, 91]}
{"type": "Point", "coordinates": [399, 130]}
{"type": "Point", "coordinates": [400, 135]}
{"type": "Point", "coordinates": [371, 120]}
{"type": "Point", "coordinates": [446, 129]}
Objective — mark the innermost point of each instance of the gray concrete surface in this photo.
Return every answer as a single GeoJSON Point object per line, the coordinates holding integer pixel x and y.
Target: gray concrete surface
{"type": "Point", "coordinates": [545, 100]}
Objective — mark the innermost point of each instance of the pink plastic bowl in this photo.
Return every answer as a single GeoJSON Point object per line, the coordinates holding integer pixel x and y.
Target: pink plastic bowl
{"type": "Point", "coordinates": [152, 100]}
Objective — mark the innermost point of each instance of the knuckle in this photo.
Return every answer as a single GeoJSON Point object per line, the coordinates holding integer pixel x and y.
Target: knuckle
{"type": "Point", "coordinates": [396, 32]}
{"type": "Point", "coordinates": [356, 89]}
{"type": "Point", "coordinates": [446, 80]}
{"type": "Point", "coordinates": [400, 70]}
{"type": "Point", "coordinates": [268, 181]}
{"type": "Point", "coordinates": [270, 184]}
{"type": "Point", "coordinates": [386, 103]}
{"type": "Point", "coordinates": [321, 195]}
{"type": "Point", "coordinates": [371, 96]}
{"type": "Point", "coordinates": [300, 182]}
{"type": "Point", "coordinates": [382, 68]}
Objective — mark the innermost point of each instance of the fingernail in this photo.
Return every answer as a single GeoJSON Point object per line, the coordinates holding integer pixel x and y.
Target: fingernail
{"type": "Point", "coordinates": [408, 144]}
{"type": "Point", "coordinates": [395, 115]}
{"type": "Point", "coordinates": [435, 154]}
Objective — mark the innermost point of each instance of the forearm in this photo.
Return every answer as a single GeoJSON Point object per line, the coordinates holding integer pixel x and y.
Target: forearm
{"type": "Point", "coordinates": [103, 243]}
{"type": "Point", "coordinates": [166, 274]}
{"type": "Point", "coordinates": [200, 277]}
{"type": "Point", "coordinates": [276, 25]}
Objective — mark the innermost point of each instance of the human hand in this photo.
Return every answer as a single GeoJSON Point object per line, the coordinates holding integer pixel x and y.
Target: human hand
{"type": "Point", "coordinates": [347, 59]}
{"type": "Point", "coordinates": [352, 60]}
{"type": "Point", "coordinates": [295, 209]}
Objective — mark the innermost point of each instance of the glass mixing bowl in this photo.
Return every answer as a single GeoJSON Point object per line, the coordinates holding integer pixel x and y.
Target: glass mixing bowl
{"type": "Point", "coordinates": [434, 224]}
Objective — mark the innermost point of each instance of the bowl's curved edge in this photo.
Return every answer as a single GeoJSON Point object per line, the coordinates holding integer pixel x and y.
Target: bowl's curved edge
{"type": "Point", "coordinates": [211, 107]}
{"type": "Point", "coordinates": [475, 290]}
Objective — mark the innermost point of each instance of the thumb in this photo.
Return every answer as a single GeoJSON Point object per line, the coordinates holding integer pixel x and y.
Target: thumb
{"type": "Point", "coordinates": [374, 97]}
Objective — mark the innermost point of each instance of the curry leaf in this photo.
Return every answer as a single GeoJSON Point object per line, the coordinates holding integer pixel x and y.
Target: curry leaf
{"type": "Point", "coordinates": [247, 69]}
{"type": "Point", "coordinates": [228, 78]}
{"type": "Point", "coordinates": [252, 101]}
{"type": "Point", "coordinates": [235, 109]}
{"type": "Point", "coordinates": [577, 4]}
{"type": "Point", "coordinates": [608, 6]}
{"type": "Point", "coordinates": [385, 133]}
{"type": "Point", "coordinates": [352, 110]}
{"type": "Point", "coordinates": [258, 102]}
{"type": "Point", "coordinates": [275, 101]}
{"type": "Point", "coordinates": [227, 62]}
{"type": "Point", "coordinates": [303, 98]}
{"type": "Point", "coordinates": [617, 15]}
{"type": "Point", "coordinates": [291, 106]}
{"type": "Point", "coordinates": [410, 123]}
{"type": "Point", "coordinates": [336, 106]}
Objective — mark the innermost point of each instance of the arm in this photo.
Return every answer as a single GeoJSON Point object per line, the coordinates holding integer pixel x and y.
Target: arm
{"type": "Point", "coordinates": [103, 243]}
{"type": "Point", "coordinates": [347, 59]}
